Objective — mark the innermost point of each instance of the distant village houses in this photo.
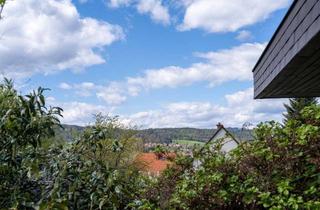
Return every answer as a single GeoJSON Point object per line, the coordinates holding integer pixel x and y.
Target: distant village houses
{"type": "Point", "coordinates": [153, 165]}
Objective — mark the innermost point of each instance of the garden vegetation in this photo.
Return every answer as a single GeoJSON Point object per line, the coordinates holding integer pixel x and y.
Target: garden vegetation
{"type": "Point", "coordinates": [280, 169]}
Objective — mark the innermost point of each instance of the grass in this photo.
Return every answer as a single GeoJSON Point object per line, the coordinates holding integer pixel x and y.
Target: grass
{"type": "Point", "coordinates": [188, 142]}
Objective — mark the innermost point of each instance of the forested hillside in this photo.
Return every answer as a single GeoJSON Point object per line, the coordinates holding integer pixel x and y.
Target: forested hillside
{"type": "Point", "coordinates": [167, 135]}
{"type": "Point", "coordinates": [163, 135]}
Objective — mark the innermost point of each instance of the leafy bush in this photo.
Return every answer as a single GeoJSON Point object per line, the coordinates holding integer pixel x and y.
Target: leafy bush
{"type": "Point", "coordinates": [95, 171]}
{"type": "Point", "coordinates": [24, 122]}
{"type": "Point", "coordinates": [279, 170]}
{"type": "Point", "coordinates": [160, 151]}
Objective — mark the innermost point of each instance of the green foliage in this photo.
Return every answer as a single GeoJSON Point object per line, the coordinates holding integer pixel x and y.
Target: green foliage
{"type": "Point", "coordinates": [160, 151]}
{"type": "Point", "coordinates": [280, 169]}
{"type": "Point", "coordinates": [188, 142]}
{"type": "Point", "coordinates": [95, 171]}
{"type": "Point", "coordinates": [159, 192]}
{"type": "Point", "coordinates": [24, 122]}
{"type": "Point", "coordinates": [295, 106]}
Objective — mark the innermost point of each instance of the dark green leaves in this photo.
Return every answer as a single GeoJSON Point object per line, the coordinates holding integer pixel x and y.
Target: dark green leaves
{"type": "Point", "coordinates": [25, 122]}
{"type": "Point", "coordinates": [278, 170]}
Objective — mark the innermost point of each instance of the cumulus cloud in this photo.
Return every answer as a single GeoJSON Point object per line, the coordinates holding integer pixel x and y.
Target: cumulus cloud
{"type": "Point", "coordinates": [225, 16]}
{"type": "Point", "coordinates": [80, 113]}
{"type": "Point", "coordinates": [84, 89]}
{"type": "Point", "coordinates": [217, 67]}
{"type": "Point", "coordinates": [48, 36]}
{"type": "Point", "coordinates": [112, 94]}
{"type": "Point", "coordinates": [240, 108]}
{"type": "Point", "coordinates": [154, 8]}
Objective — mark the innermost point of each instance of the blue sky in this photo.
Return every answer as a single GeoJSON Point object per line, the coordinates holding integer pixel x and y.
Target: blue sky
{"type": "Point", "coordinates": [155, 63]}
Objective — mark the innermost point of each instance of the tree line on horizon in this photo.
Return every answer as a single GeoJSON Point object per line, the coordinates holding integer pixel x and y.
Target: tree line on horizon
{"type": "Point", "coordinates": [168, 135]}
{"type": "Point", "coordinates": [162, 135]}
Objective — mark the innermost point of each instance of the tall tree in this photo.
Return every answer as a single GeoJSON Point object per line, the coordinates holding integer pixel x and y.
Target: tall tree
{"type": "Point", "coordinates": [295, 106]}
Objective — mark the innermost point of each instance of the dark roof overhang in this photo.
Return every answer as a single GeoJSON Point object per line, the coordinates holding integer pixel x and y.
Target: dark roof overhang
{"type": "Point", "coordinates": [290, 64]}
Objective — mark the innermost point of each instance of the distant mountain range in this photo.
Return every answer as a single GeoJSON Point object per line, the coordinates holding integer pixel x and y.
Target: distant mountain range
{"type": "Point", "coordinates": [162, 135]}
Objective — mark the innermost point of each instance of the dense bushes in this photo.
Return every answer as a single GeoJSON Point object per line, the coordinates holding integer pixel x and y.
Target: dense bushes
{"type": "Point", "coordinates": [24, 122]}
{"type": "Point", "coordinates": [95, 171]}
{"type": "Point", "coordinates": [279, 170]}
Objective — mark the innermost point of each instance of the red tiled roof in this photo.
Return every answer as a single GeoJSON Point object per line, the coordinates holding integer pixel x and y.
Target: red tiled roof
{"type": "Point", "coordinates": [148, 162]}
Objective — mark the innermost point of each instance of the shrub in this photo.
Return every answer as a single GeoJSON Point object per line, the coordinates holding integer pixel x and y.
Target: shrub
{"type": "Point", "coordinates": [96, 171]}
{"type": "Point", "coordinates": [280, 169]}
{"type": "Point", "coordinates": [24, 122]}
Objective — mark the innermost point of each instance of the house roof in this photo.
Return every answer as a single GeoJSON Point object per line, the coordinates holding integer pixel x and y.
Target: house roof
{"type": "Point", "coordinates": [148, 162]}
{"type": "Point", "coordinates": [219, 128]}
{"type": "Point", "coordinates": [289, 65]}
{"type": "Point", "coordinates": [274, 35]}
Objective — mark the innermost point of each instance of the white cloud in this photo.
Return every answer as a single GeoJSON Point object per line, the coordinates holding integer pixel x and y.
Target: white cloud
{"type": "Point", "coordinates": [244, 35]}
{"type": "Point", "coordinates": [112, 94]}
{"type": "Point", "coordinates": [225, 16]}
{"type": "Point", "coordinates": [48, 36]}
{"type": "Point", "coordinates": [154, 8]}
{"type": "Point", "coordinates": [82, 89]}
{"type": "Point", "coordinates": [240, 108]}
{"type": "Point", "coordinates": [219, 67]}
{"type": "Point", "coordinates": [80, 113]}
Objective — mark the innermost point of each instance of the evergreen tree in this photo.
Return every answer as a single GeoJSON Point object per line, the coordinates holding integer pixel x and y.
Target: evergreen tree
{"type": "Point", "coordinates": [295, 106]}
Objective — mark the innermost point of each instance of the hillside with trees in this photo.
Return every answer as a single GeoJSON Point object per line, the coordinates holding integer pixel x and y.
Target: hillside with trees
{"type": "Point", "coordinates": [163, 135]}
{"type": "Point", "coordinates": [279, 169]}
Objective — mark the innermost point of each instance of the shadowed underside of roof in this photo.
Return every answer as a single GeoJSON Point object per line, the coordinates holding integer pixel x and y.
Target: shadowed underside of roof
{"type": "Point", "coordinates": [290, 64]}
